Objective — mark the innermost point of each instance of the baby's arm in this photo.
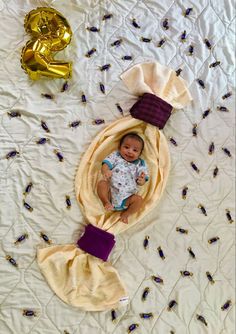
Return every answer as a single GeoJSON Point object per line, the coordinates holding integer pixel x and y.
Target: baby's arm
{"type": "Point", "coordinates": [106, 172]}
{"type": "Point", "coordinates": [143, 173]}
{"type": "Point", "coordinates": [108, 164]}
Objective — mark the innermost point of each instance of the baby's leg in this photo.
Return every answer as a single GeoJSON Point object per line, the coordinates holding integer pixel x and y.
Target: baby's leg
{"type": "Point", "coordinates": [134, 203]}
{"type": "Point", "coordinates": [103, 190]}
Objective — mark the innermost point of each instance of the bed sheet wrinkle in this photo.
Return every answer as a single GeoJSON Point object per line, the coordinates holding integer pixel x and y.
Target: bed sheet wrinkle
{"type": "Point", "coordinates": [24, 287]}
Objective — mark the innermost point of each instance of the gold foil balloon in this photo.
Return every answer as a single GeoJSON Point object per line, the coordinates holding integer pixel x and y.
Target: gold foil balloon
{"type": "Point", "coordinates": [50, 33]}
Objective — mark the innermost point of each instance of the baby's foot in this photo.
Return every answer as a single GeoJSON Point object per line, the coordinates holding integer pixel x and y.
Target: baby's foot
{"type": "Point", "coordinates": [108, 206]}
{"type": "Point", "coordinates": [124, 217]}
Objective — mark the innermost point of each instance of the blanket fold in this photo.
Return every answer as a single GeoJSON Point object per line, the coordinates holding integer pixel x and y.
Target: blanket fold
{"type": "Point", "coordinates": [157, 79]}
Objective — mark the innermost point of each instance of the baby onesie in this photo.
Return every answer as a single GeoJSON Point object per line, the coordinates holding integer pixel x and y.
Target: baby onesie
{"type": "Point", "coordinates": [123, 180]}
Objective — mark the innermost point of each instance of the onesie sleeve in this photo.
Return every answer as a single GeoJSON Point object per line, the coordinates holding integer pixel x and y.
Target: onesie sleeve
{"type": "Point", "coordinates": [111, 159]}
{"type": "Point", "coordinates": [143, 168]}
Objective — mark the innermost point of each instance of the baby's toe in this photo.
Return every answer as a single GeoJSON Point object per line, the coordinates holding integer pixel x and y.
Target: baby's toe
{"type": "Point", "coordinates": [108, 207]}
{"type": "Point", "coordinates": [124, 218]}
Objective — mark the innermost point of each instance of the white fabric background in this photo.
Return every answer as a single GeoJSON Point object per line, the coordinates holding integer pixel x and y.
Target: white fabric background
{"type": "Point", "coordinates": [24, 287]}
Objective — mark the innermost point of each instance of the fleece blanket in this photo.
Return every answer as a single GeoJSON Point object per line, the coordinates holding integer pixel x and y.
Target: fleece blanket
{"type": "Point", "coordinates": [199, 45]}
{"type": "Point", "coordinates": [65, 267]}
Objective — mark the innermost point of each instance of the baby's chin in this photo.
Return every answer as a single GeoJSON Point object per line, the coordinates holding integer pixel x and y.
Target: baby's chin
{"type": "Point", "coordinates": [128, 159]}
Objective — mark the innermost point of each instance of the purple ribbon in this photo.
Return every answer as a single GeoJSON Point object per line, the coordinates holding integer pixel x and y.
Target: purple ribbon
{"type": "Point", "coordinates": [152, 109]}
{"type": "Point", "coordinates": [96, 242]}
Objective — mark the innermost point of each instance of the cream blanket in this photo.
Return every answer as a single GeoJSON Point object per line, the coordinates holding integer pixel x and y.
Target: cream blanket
{"type": "Point", "coordinates": [81, 279]}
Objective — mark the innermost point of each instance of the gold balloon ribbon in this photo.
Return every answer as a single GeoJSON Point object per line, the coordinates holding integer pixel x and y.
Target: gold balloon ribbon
{"type": "Point", "coordinates": [50, 33]}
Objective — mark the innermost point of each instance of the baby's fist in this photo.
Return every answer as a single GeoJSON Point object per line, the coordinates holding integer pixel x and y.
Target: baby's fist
{"type": "Point", "coordinates": [141, 179]}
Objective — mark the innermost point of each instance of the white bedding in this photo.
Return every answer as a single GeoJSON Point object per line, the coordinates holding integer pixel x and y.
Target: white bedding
{"type": "Point", "coordinates": [24, 287]}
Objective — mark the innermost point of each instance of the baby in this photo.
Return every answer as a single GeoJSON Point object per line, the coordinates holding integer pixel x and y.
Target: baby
{"type": "Point", "coordinates": [123, 171]}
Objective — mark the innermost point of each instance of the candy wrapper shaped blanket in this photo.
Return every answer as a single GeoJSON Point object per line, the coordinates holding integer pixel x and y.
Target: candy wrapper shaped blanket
{"type": "Point", "coordinates": [79, 273]}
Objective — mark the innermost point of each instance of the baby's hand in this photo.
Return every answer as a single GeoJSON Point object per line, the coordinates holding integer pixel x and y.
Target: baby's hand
{"type": "Point", "coordinates": [107, 174]}
{"type": "Point", "coordinates": [141, 179]}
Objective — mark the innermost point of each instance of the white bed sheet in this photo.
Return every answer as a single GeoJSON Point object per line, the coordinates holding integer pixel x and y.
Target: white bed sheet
{"type": "Point", "coordinates": [24, 287]}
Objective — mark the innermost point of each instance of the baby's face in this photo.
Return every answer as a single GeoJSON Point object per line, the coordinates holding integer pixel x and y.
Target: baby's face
{"type": "Point", "coordinates": [130, 149]}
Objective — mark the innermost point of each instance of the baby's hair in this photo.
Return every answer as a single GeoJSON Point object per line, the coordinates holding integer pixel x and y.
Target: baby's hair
{"type": "Point", "coordinates": [133, 135]}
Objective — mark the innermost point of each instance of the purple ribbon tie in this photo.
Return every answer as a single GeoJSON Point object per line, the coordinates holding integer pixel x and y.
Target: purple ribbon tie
{"type": "Point", "coordinates": [152, 109]}
{"type": "Point", "coordinates": [96, 242]}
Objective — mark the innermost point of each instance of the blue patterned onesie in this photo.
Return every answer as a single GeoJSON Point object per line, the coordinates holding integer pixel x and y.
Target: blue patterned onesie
{"type": "Point", "coordinates": [123, 179]}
